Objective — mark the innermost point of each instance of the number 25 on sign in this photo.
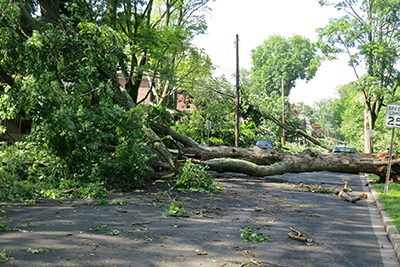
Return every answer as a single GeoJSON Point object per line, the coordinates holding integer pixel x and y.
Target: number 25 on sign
{"type": "Point", "coordinates": [392, 116]}
{"type": "Point", "coordinates": [393, 121]}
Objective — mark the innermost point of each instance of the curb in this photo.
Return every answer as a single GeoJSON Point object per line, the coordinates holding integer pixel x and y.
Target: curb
{"type": "Point", "coordinates": [390, 229]}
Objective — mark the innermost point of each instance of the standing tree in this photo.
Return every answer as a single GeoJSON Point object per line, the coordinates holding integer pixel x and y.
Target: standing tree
{"type": "Point", "coordinates": [369, 34]}
{"type": "Point", "coordinates": [279, 61]}
{"type": "Point", "coordinates": [157, 36]}
{"type": "Point", "coordinates": [288, 59]}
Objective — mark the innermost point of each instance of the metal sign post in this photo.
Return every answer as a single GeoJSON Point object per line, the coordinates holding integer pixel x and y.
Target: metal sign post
{"type": "Point", "coordinates": [392, 120]}
{"type": "Point", "coordinates": [389, 164]}
{"type": "Point", "coordinates": [208, 125]}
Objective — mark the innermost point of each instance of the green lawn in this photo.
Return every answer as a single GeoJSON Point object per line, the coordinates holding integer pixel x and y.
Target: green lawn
{"type": "Point", "coordinates": [391, 201]}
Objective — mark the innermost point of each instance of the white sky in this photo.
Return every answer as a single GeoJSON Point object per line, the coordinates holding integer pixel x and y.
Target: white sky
{"type": "Point", "coordinates": [254, 21]}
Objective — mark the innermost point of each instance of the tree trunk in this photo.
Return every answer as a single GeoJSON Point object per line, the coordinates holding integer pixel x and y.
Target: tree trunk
{"type": "Point", "coordinates": [300, 132]}
{"type": "Point", "coordinates": [307, 161]}
{"type": "Point", "coordinates": [367, 128]}
{"type": "Point", "coordinates": [260, 162]}
{"type": "Point", "coordinates": [50, 10]}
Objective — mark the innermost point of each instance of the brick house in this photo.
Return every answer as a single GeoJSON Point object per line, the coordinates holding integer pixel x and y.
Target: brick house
{"type": "Point", "coordinates": [19, 126]}
{"type": "Point", "coordinates": [143, 90]}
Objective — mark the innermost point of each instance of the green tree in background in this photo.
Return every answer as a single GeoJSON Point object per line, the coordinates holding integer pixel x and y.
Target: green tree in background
{"type": "Point", "coordinates": [157, 37]}
{"type": "Point", "coordinates": [280, 59]}
{"type": "Point", "coordinates": [369, 34]}
{"type": "Point", "coordinates": [347, 114]}
{"type": "Point", "coordinates": [216, 103]}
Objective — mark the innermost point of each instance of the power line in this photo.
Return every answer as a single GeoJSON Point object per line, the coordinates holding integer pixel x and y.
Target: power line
{"type": "Point", "coordinates": [176, 80]}
{"type": "Point", "coordinates": [186, 43]}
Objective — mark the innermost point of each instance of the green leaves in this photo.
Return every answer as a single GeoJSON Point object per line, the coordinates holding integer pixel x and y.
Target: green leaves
{"type": "Point", "coordinates": [248, 235]}
{"type": "Point", "coordinates": [369, 34]}
{"type": "Point", "coordinates": [280, 59]}
{"type": "Point", "coordinates": [62, 76]}
{"type": "Point", "coordinates": [195, 178]}
{"type": "Point", "coordinates": [175, 210]}
{"type": "Point", "coordinates": [37, 250]}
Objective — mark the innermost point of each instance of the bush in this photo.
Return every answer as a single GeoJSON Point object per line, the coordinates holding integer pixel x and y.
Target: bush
{"type": "Point", "coordinates": [28, 171]}
{"type": "Point", "coordinates": [196, 178]}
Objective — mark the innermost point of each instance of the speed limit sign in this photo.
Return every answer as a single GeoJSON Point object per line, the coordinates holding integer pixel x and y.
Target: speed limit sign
{"type": "Point", "coordinates": [392, 116]}
{"type": "Point", "coordinates": [393, 121]}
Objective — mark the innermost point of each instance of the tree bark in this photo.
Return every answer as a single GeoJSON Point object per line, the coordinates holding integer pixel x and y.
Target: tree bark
{"type": "Point", "coordinates": [307, 161]}
{"type": "Point", "coordinates": [50, 10]}
{"type": "Point", "coordinates": [367, 128]}
{"type": "Point", "coordinates": [259, 162]}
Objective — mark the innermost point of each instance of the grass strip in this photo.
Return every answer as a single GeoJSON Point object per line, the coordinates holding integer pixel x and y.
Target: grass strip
{"type": "Point", "coordinates": [391, 201]}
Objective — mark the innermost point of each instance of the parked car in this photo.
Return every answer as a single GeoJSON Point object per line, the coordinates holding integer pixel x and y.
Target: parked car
{"type": "Point", "coordinates": [265, 144]}
{"type": "Point", "coordinates": [344, 149]}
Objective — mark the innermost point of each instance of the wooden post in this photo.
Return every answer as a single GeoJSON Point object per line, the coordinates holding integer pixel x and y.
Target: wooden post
{"type": "Point", "coordinates": [237, 94]}
{"type": "Point", "coordinates": [283, 113]}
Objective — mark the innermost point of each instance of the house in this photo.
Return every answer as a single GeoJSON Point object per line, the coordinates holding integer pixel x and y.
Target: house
{"type": "Point", "coordinates": [19, 126]}
{"type": "Point", "coordinates": [183, 103]}
{"type": "Point", "coordinates": [144, 90]}
{"type": "Point", "coordinates": [145, 93]}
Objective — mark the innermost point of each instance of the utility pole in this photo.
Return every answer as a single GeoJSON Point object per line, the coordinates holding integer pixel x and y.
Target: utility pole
{"type": "Point", "coordinates": [237, 94]}
{"type": "Point", "coordinates": [283, 113]}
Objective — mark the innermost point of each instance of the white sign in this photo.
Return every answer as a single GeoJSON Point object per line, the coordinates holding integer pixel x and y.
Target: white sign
{"type": "Point", "coordinates": [392, 116]}
{"type": "Point", "coordinates": [371, 133]}
{"type": "Point", "coordinates": [208, 125]}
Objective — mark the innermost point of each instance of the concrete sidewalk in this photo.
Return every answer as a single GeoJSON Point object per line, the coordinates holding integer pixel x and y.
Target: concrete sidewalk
{"type": "Point", "coordinates": [390, 229]}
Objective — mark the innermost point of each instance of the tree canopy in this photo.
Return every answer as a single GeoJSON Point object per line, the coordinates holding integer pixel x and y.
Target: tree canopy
{"type": "Point", "coordinates": [59, 70]}
{"type": "Point", "coordinates": [280, 59]}
{"type": "Point", "coordinates": [369, 34]}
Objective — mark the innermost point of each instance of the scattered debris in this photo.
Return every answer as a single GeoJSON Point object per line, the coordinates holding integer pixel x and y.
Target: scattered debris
{"type": "Point", "coordinates": [299, 236]}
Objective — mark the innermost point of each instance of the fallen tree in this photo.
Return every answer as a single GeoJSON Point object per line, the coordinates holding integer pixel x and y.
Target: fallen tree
{"type": "Point", "coordinates": [259, 162]}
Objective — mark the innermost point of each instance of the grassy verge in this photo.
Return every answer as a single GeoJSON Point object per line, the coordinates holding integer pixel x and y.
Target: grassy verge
{"type": "Point", "coordinates": [390, 201]}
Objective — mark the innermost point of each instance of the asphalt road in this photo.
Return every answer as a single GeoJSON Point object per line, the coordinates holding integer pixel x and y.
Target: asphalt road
{"type": "Point", "coordinates": [83, 233]}
{"type": "Point", "coordinates": [357, 226]}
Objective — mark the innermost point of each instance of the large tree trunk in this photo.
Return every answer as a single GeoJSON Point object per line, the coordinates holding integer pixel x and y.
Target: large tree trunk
{"type": "Point", "coordinates": [307, 161]}
{"type": "Point", "coordinates": [259, 162]}
{"type": "Point", "coordinates": [367, 128]}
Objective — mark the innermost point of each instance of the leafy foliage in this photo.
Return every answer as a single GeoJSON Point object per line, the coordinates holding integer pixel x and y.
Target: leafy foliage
{"type": "Point", "coordinates": [3, 227]}
{"type": "Point", "coordinates": [215, 105]}
{"type": "Point", "coordinates": [345, 115]}
{"type": "Point", "coordinates": [280, 59]}
{"type": "Point", "coordinates": [175, 210]}
{"type": "Point", "coordinates": [195, 178]}
{"type": "Point", "coordinates": [369, 34]}
{"type": "Point", "coordinates": [248, 235]}
{"type": "Point", "coordinates": [81, 136]}
{"type": "Point", "coordinates": [29, 171]}
{"type": "Point", "coordinates": [4, 255]}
